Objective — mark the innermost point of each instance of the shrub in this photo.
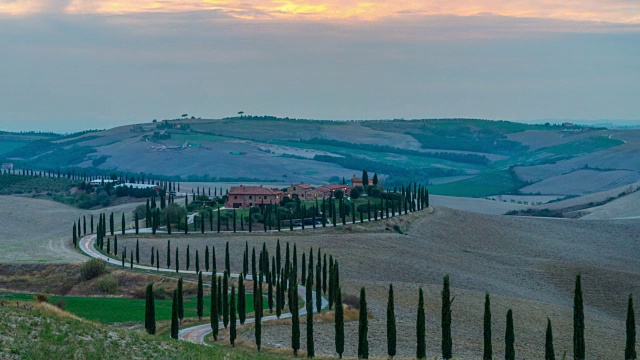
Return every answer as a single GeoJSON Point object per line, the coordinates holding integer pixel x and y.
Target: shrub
{"type": "Point", "coordinates": [108, 285]}
{"type": "Point", "coordinates": [61, 304]}
{"type": "Point", "coordinates": [42, 298]}
{"type": "Point", "coordinates": [92, 269]}
{"type": "Point", "coordinates": [351, 301]}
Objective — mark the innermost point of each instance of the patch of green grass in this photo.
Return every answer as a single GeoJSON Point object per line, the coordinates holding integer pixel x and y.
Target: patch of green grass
{"type": "Point", "coordinates": [483, 185]}
{"type": "Point", "coordinates": [118, 310]}
{"type": "Point", "coordinates": [7, 145]}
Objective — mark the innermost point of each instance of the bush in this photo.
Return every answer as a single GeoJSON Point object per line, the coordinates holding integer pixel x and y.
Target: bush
{"type": "Point", "coordinates": [108, 285]}
{"type": "Point", "coordinates": [61, 304]}
{"type": "Point", "coordinates": [92, 269]}
{"type": "Point", "coordinates": [42, 298]}
{"type": "Point", "coordinates": [351, 301]}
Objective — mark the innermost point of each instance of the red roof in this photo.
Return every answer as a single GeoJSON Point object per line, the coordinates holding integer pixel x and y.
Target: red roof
{"type": "Point", "coordinates": [251, 190]}
{"type": "Point", "coordinates": [304, 186]}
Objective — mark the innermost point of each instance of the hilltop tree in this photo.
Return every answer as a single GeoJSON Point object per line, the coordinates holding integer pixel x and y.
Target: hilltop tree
{"type": "Point", "coordinates": [391, 324]}
{"type": "Point", "coordinates": [630, 348]}
{"type": "Point", "coordinates": [363, 327]}
{"type": "Point", "coordinates": [180, 301]}
{"type": "Point", "coordinates": [232, 316]}
{"type": "Point", "coordinates": [150, 311]}
{"type": "Point", "coordinates": [447, 342]}
{"type": "Point", "coordinates": [421, 348]}
{"type": "Point", "coordinates": [214, 316]}
{"type": "Point", "coordinates": [509, 338]}
{"type": "Point", "coordinates": [549, 351]}
{"type": "Point", "coordinates": [339, 323]}
{"type": "Point", "coordinates": [488, 347]}
{"type": "Point", "coordinates": [174, 315]}
{"type": "Point", "coordinates": [200, 297]}
{"type": "Point", "coordinates": [578, 322]}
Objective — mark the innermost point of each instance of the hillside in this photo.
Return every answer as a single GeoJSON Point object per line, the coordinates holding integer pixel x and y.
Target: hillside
{"type": "Point", "coordinates": [47, 333]}
{"type": "Point", "coordinates": [460, 157]}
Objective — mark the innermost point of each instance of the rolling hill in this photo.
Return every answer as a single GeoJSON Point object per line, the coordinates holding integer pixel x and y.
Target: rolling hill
{"type": "Point", "coordinates": [459, 157]}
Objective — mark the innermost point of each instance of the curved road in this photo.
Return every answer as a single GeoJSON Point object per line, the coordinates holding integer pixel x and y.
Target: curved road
{"type": "Point", "coordinates": [195, 334]}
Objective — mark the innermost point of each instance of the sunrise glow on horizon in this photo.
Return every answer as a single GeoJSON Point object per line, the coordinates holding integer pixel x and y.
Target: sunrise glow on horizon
{"type": "Point", "coordinates": [615, 11]}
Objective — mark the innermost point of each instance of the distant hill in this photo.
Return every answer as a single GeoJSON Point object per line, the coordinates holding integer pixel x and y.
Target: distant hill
{"type": "Point", "coordinates": [459, 157]}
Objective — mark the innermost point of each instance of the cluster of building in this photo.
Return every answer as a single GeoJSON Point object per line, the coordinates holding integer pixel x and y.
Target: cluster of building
{"type": "Point", "coordinates": [242, 197]}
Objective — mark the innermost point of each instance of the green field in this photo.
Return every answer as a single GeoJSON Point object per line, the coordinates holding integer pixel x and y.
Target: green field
{"type": "Point", "coordinates": [589, 145]}
{"type": "Point", "coordinates": [118, 310]}
{"type": "Point", "coordinates": [7, 146]}
{"type": "Point", "coordinates": [483, 185]}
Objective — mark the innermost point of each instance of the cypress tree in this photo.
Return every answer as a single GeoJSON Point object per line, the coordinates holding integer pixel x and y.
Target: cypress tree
{"type": "Point", "coordinates": [241, 299]}
{"type": "Point", "coordinates": [202, 223]}
{"type": "Point", "coordinates": [295, 262]}
{"type": "Point", "coordinates": [220, 295]}
{"type": "Point", "coordinates": [108, 246]}
{"type": "Point", "coordinates": [92, 224]}
{"type": "Point", "coordinates": [258, 316]}
{"type": "Point", "coordinates": [153, 256]}
{"type": "Point", "coordinates": [157, 260]}
{"type": "Point", "coordinates": [168, 224]}
{"type": "Point", "coordinates": [124, 225]}
{"type": "Point", "coordinates": [391, 324]}
{"type": "Point", "coordinates": [339, 323]}
{"type": "Point", "coordinates": [131, 260]}
{"type": "Point", "coordinates": [124, 256]}
{"type": "Point", "coordinates": [180, 301]}
{"type": "Point", "coordinates": [168, 254]}
{"type": "Point", "coordinates": [75, 236]}
{"type": "Point", "coordinates": [270, 288]}
{"type": "Point", "coordinates": [115, 245]}
{"type": "Point", "coordinates": [137, 251]}
{"type": "Point", "coordinates": [421, 348]}
{"type": "Point", "coordinates": [630, 348]}
{"type": "Point", "coordinates": [111, 224]}
{"type": "Point", "coordinates": [303, 278]}
{"type": "Point", "coordinates": [177, 261]}
{"type": "Point", "coordinates": [295, 321]}
{"type": "Point", "coordinates": [324, 274]}
{"type": "Point", "coordinates": [137, 223]}
{"type": "Point", "coordinates": [188, 257]}
{"type": "Point", "coordinates": [578, 322]}
{"type": "Point", "coordinates": [150, 311]}
{"type": "Point", "coordinates": [200, 298]}
{"type": "Point", "coordinates": [197, 262]}
{"type": "Point", "coordinates": [363, 327]}
{"type": "Point", "coordinates": [214, 315]}
{"type": "Point", "coordinates": [549, 351]}
{"type": "Point", "coordinates": [509, 339]}
{"type": "Point", "coordinates": [227, 264]}
{"type": "Point", "coordinates": [206, 258]}
{"type": "Point", "coordinates": [245, 260]}
{"type": "Point", "coordinates": [174, 315]}
{"type": "Point", "coordinates": [447, 343]}
{"type": "Point", "coordinates": [214, 265]}
{"type": "Point", "coordinates": [310, 344]}
{"type": "Point", "coordinates": [279, 304]}
{"type": "Point", "coordinates": [232, 316]}
{"type": "Point", "coordinates": [330, 284]}
{"type": "Point", "coordinates": [225, 299]}
{"type": "Point", "coordinates": [488, 347]}
{"type": "Point", "coordinates": [318, 288]}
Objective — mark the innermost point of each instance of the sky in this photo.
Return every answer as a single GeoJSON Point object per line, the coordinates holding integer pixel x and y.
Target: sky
{"type": "Point", "coordinates": [69, 65]}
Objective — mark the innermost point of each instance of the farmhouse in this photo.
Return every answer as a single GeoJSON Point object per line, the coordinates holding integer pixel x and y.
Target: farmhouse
{"type": "Point", "coordinates": [356, 181]}
{"type": "Point", "coordinates": [7, 166]}
{"type": "Point", "coordinates": [328, 191]}
{"type": "Point", "coordinates": [138, 186]}
{"type": "Point", "coordinates": [243, 197]}
{"type": "Point", "coordinates": [98, 182]}
{"type": "Point", "coordinates": [301, 191]}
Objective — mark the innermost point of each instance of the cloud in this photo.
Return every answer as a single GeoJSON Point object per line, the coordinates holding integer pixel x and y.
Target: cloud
{"type": "Point", "coordinates": [612, 11]}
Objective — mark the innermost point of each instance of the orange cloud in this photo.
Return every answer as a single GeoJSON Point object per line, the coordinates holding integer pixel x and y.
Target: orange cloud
{"type": "Point", "coordinates": [614, 11]}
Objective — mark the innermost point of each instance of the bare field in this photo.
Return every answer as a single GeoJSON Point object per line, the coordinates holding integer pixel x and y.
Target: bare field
{"type": "Point", "coordinates": [483, 206]}
{"type": "Point", "coordinates": [582, 182]}
{"type": "Point", "coordinates": [36, 230]}
{"type": "Point", "coordinates": [527, 264]}
{"type": "Point", "coordinates": [624, 207]}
